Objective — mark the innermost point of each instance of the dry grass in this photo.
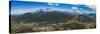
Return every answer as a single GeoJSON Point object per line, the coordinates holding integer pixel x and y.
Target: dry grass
{"type": "Point", "coordinates": [22, 28]}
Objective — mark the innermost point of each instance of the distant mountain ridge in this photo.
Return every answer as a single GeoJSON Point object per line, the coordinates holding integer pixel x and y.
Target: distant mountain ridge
{"type": "Point", "coordinates": [51, 16]}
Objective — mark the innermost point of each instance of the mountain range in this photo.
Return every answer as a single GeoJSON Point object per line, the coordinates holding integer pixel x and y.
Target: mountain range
{"type": "Point", "coordinates": [51, 16]}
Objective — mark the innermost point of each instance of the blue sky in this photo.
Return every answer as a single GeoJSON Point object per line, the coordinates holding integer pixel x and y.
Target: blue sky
{"type": "Point", "coordinates": [20, 7]}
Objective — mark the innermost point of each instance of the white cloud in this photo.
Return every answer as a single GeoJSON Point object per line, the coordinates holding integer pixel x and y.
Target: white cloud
{"type": "Point", "coordinates": [92, 6]}
{"type": "Point", "coordinates": [74, 7]}
{"type": "Point", "coordinates": [53, 4]}
{"type": "Point", "coordinates": [57, 4]}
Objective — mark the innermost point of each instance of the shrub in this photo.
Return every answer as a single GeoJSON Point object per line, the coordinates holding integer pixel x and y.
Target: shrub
{"type": "Point", "coordinates": [20, 28]}
{"type": "Point", "coordinates": [75, 26]}
{"type": "Point", "coordinates": [91, 25]}
{"type": "Point", "coordinates": [43, 29]}
{"type": "Point", "coordinates": [71, 26]}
